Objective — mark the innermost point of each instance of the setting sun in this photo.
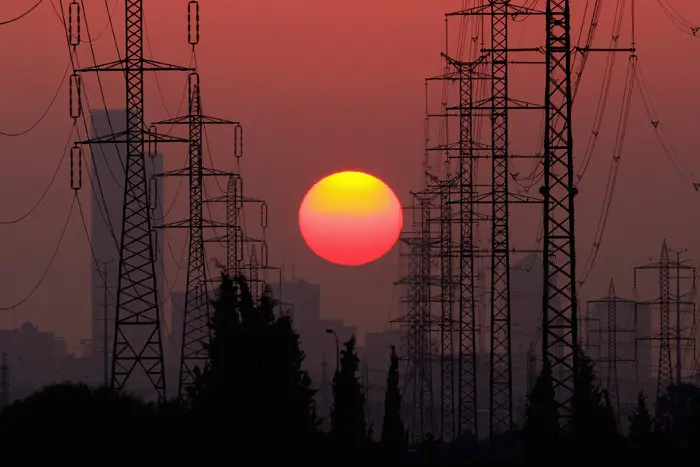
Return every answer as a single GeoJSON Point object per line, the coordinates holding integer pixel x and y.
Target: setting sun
{"type": "Point", "coordinates": [350, 218]}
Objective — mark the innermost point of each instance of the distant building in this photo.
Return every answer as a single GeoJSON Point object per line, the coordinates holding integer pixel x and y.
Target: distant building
{"type": "Point", "coordinates": [107, 175]}
{"type": "Point", "coordinates": [37, 358]}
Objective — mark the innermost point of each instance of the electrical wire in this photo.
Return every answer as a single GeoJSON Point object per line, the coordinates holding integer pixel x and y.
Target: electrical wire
{"type": "Point", "coordinates": [614, 170]}
{"type": "Point", "coordinates": [66, 150]}
{"type": "Point", "coordinates": [26, 13]}
{"type": "Point", "coordinates": [48, 266]}
{"type": "Point", "coordinates": [682, 24]}
{"type": "Point", "coordinates": [46, 111]}
{"type": "Point", "coordinates": [666, 145]}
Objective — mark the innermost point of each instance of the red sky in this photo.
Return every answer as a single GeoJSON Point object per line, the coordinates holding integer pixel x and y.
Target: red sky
{"type": "Point", "coordinates": [323, 87]}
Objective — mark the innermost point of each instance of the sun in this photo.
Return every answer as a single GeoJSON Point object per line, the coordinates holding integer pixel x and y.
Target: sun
{"type": "Point", "coordinates": [350, 218]}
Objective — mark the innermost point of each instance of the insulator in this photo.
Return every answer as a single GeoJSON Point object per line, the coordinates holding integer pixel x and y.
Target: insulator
{"type": "Point", "coordinates": [239, 244]}
{"type": "Point", "coordinates": [156, 244]}
{"type": "Point", "coordinates": [238, 141]}
{"type": "Point", "coordinates": [153, 193]}
{"type": "Point", "coordinates": [263, 254]}
{"type": "Point", "coordinates": [74, 23]}
{"type": "Point", "coordinates": [152, 146]}
{"type": "Point", "coordinates": [193, 23]}
{"type": "Point", "coordinates": [193, 87]}
{"type": "Point", "coordinates": [263, 215]}
{"type": "Point", "coordinates": [239, 192]}
{"type": "Point", "coordinates": [76, 168]}
{"type": "Point", "coordinates": [75, 96]}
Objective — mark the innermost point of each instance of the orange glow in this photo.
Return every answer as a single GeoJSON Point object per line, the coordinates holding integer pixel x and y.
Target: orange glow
{"type": "Point", "coordinates": [350, 218]}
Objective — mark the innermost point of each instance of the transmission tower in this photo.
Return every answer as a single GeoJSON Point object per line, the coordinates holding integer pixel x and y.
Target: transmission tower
{"type": "Point", "coordinates": [498, 106]}
{"type": "Point", "coordinates": [666, 334]}
{"type": "Point", "coordinates": [137, 343]}
{"type": "Point", "coordinates": [417, 321]}
{"type": "Point", "coordinates": [423, 383]}
{"type": "Point", "coordinates": [607, 310]}
{"type": "Point", "coordinates": [462, 191]}
{"type": "Point", "coordinates": [195, 334]}
{"type": "Point", "coordinates": [559, 323]}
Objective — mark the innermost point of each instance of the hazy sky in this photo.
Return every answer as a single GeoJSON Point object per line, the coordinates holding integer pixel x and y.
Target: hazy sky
{"type": "Point", "coordinates": [321, 87]}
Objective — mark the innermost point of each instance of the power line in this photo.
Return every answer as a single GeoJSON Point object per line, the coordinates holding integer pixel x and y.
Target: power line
{"type": "Point", "coordinates": [48, 266]}
{"type": "Point", "coordinates": [17, 18]}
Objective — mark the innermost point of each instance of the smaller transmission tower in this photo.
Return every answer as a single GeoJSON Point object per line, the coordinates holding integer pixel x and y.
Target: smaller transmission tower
{"type": "Point", "coordinates": [663, 302]}
{"type": "Point", "coordinates": [606, 310]}
{"type": "Point", "coordinates": [195, 334]}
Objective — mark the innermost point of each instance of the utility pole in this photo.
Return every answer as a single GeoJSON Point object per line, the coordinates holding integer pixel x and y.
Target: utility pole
{"type": "Point", "coordinates": [104, 273]}
{"type": "Point", "coordinates": [137, 342]}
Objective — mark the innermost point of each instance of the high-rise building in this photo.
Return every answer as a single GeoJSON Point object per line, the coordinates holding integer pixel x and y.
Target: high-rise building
{"type": "Point", "coordinates": [107, 179]}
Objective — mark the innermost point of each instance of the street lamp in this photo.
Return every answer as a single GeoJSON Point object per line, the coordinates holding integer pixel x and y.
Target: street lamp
{"type": "Point", "coordinates": [337, 349]}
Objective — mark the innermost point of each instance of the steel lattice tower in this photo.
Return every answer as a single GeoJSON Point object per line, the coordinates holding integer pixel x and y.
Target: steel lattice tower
{"type": "Point", "coordinates": [612, 381]}
{"type": "Point", "coordinates": [560, 324]}
{"type": "Point", "coordinates": [137, 341]}
{"type": "Point", "coordinates": [447, 377]}
{"type": "Point", "coordinates": [501, 386]}
{"type": "Point", "coordinates": [466, 409]}
{"type": "Point", "coordinates": [195, 334]}
{"type": "Point", "coordinates": [608, 311]}
{"type": "Point", "coordinates": [424, 376]}
{"type": "Point", "coordinates": [466, 367]}
{"type": "Point", "coordinates": [417, 322]}
{"type": "Point", "coordinates": [665, 368]}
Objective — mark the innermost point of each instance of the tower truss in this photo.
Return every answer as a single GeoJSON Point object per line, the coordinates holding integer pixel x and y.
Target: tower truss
{"type": "Point", "coordinates": [498, 57]}
{"type": "Point", "coordinates": [559, 322]}
{"type": "Point", "coordinates": [667, 333]}
{"type": "Point", "coordinates": [501, 382]}
{"type": "Point", "coordinates": [195, 334]}
{"type": "Point", "coordinates": [607, 310]}
{"type": "Point", "coordinates": [137, 341]}
{"type": "Point", "coordinates": [417, 322]}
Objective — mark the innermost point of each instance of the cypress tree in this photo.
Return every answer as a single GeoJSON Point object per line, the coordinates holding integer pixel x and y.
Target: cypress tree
{"type": "Point", "coordinates": [254, 381]}
{"type": "Point", "coordinates": [641, 421]}
{"type": "Point", "coordinates": [392, 428]}
{"type": "Point", "coordinates": [591, 416]}
{"type": "Point", "coordinates": [348, 425]}
{"type": "Point", "coordinates": [542, 417]}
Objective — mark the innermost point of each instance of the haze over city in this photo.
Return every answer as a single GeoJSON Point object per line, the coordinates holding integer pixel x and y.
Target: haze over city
{"type": "Point", "coordinates": [319, 88]}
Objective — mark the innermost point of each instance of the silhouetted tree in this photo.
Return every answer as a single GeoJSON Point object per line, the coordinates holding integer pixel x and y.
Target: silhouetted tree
{"type": "Point", "coordinates": [393, 433]}
{"type": "Point", "coordinates": [592, 417]}
{"type": "Point", "coordinates": [430, 450]}
{"type": "Point", "coordinates": [541, 416]}
{"type": "Point", "coordinates": [69, 400]}
{"type": "Point", "coordinates": [348, 426]}
{"type": "Point", "coordinates": [255, 381]}
{"type": "Point", "coordinates": [641, 422]}
{"type": "Point", "coordinates": [679, 408]}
